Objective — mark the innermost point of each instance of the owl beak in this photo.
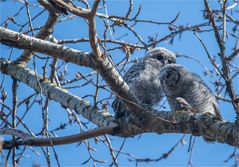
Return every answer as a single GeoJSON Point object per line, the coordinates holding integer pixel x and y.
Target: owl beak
{"type": "Point", "coordinates": [164, 62]}
{"type": "Point", "coordinates": [171, 62]}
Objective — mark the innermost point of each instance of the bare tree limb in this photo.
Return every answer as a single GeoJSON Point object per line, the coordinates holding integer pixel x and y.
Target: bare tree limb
{"type": "Point", "coordinates": [50, 90]}
{"type": "Point", "coordinates": [82, 13]}
{"type": "Point", "coordinates": [233, 55]}
{"type": "Point", "coordinates": [45, 31]}
{"type": "Point", "coordinates": [14, 132]}
{"type": "Point", "coordinates": [20, 40]}
{"type": "Point", "coordinates": [101, 64]}
{"type": "Point", "coordinates": [187, 123]}
{"type": "Point", "coordinates": [122, 43]}
{"type": "Point", "coordinates": [225, 66]}
{"type": "Point", "coordinates": [31, 141]}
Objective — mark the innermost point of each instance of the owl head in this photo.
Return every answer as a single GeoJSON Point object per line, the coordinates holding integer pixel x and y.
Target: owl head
{"type": "Point", "coordinates": [161, 54]}
{"type": "Point", "coordinates": [173, 76]}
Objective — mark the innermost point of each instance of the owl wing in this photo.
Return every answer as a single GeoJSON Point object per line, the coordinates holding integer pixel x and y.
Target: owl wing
{"type": "Point", "coordinates": [205, 90]}
{"type": "Point", "coordinates": [117, 105]}
{"type": "Point", "coordinates": [130, 77]}
{"type": "Point", "coordinates": [140, 79]}
{"type": "Point", "coordinates": [134, 71]}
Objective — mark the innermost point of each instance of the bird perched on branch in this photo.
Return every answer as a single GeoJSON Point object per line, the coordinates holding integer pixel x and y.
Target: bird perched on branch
{"type": "Point", "coordinates": [141, 79]}
{"type": "Point", "coordinates": [184, 89]}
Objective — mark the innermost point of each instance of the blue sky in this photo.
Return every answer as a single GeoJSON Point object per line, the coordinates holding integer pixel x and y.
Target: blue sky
{"type": "Point", "coordinates": [147, 145]}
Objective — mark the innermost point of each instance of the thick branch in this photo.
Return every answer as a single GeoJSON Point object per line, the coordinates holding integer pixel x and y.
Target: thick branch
{"type": "Point", "coordinates": [101, 64]}
{"type": "Point", "coordinates": [199, 125]}
{"type": "Point", "coordinates": [31, 141]}
{"type": "Point", "coordinates": [161, 122]}
{"type": "Point", "coordinates": [50, 90]}
{"type": "Point", "coordinates": [19, 40]}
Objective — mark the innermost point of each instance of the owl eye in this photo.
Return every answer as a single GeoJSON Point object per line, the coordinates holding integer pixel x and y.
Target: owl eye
{"type": "Point", "coordinates": [167, 76]}
{"type": "Point", "coordinates": [159, 57]}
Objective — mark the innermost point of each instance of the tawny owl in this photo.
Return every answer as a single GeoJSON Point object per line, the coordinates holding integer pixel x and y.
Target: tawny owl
{"type": "Point", "coordinates": [141, 79]}
{"type": "Point", "coordinates": [179, 84]}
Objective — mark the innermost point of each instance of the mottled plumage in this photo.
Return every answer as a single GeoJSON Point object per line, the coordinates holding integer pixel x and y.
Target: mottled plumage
{"type": "Point", "coordinates": [179, 84]}
{"type": "Point", "coordinates": [141, 79]}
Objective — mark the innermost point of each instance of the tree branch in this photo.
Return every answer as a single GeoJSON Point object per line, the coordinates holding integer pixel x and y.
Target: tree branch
{"type": "Point", "coordinates": [31, 141]}
{"type": "Point", "coordinates": [44, 32]}
{"type": "Point", "coordinates": [233, 55]}
{"type": "Point", "coordinates": [225, 66]}
{"type": "Point", "coordinates": [82, 13]}
{"type": "Point", "coordinates": [19, 40]}
{"type": "Point", "coordinates": [104, 66]}
{"type": "Point", "coordinates": [101, 64]}
{"type": "Point", "coordinates": [198, 125]}
{"type": "Point", "coordinates": [118, 42]}
{"type": "Point", "coordinates": [151, 121]}
{"type": "Point", "coordinates": [50, 90]}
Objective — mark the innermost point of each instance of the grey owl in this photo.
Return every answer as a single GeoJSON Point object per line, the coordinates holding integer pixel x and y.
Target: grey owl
{"type": "Point", "coordinates": [179, 84]}
{"type": "Point", "coordinates": [141, 79]}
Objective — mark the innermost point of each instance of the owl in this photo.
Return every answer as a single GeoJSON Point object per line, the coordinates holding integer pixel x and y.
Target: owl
{"type": "Point", "coordinates": [183, 88]}
{"type": "Point", "coordinates": [141, 79]}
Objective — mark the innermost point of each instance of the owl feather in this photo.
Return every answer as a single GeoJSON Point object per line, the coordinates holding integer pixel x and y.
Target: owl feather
{"type": "Point", "coordinates": [177, 82]}
{"type": "Point", "coordinates": [141, 79]}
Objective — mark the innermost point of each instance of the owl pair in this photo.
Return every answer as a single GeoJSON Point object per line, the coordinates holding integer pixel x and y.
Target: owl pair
{"type": "Point", "coordinates": [157, 74]}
